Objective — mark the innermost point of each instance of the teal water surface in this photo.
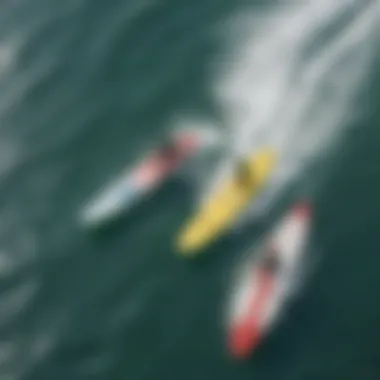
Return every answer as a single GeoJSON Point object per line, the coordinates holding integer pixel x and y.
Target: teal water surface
{"type": "Point", "coordinates": [85, 86]}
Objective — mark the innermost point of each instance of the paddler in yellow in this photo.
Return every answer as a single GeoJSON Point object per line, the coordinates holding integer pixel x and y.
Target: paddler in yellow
{"type": "Point", "coordinates": [248, 175]}
{"type": "Point", "coordinates": [244, 174]}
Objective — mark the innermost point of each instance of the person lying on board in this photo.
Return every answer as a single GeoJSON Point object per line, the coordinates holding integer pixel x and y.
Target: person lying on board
{"type": "Point", "coordinates": [169, 150]}
{"type": "Point", "coordinates": [270, 263]}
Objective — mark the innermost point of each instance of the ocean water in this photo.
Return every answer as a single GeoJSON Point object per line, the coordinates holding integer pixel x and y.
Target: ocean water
{"type": "Point", "coordinates": [85, 86]}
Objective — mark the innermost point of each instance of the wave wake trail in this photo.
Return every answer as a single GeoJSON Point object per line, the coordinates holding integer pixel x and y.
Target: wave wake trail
{"type": "Point", "coordinates": [272, 94]}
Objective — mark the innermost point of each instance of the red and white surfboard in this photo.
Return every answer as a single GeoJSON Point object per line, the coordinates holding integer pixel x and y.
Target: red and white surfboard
{"type": "Point", "coordinates": [147, 175]}
{"type": "Point", "coordinates": [267, 282]}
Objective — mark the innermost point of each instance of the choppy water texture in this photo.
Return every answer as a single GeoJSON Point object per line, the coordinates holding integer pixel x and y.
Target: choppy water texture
{"type": "Point", "coordinates": [85, 86]}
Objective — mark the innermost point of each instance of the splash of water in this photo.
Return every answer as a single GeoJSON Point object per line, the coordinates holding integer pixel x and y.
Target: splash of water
{"type": "Point", "coordinates": [272, 95]}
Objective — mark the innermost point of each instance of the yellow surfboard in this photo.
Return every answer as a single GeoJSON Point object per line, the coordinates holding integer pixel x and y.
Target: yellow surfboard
{"type": "Point", "coordinates": [227, 204]}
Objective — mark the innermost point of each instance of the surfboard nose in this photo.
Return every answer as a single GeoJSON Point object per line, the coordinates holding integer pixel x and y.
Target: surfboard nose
{"type": "Point", "coordinates": [244, 339]}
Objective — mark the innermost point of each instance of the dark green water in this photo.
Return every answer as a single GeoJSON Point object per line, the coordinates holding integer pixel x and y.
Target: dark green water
{"type": "Point", "coordinates": [84, 86]}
